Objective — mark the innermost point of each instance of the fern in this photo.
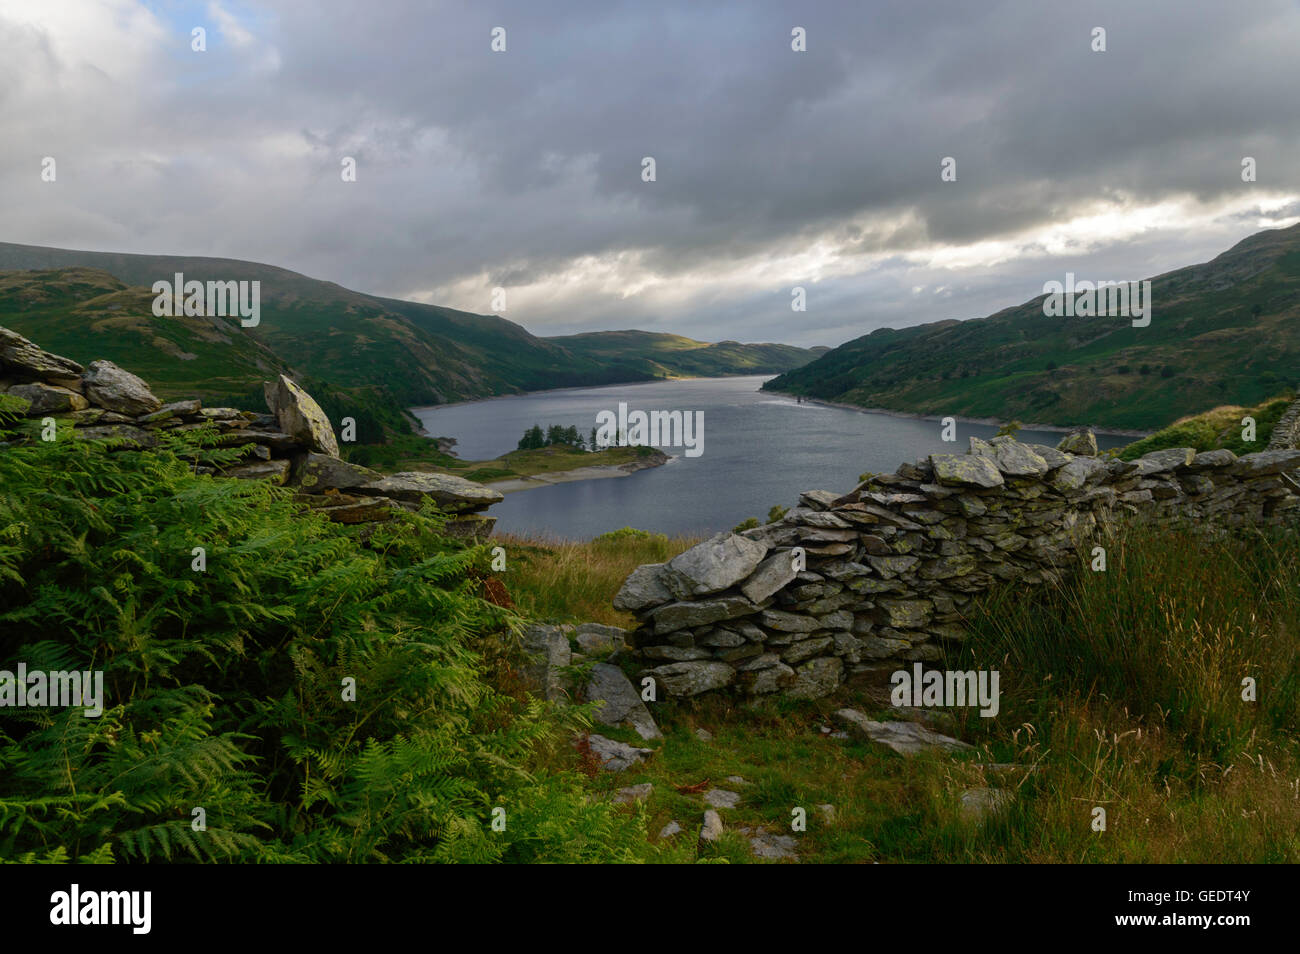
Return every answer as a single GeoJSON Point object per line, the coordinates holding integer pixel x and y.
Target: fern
{"type": "Point", "coordinates": [223, 688]}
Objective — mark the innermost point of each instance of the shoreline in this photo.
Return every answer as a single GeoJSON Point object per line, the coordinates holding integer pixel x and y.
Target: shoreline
{"type": "Point", "coordinates": [987, 421]}
{"type": "Point", "coordinates": [512, 485]}
{"type": "Point", "coordinates": [591, 387]}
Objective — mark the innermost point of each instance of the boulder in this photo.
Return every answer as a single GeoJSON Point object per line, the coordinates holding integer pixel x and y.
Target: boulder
{"type": "Point", "coordinates": [1051, 455]}
{"type": "Point", "coordinates": [1081, 441]}
{"type": "Point", "coordinates": [771, 677]}
{"type": "Point", "coordinates": [22, 359]}
{"type": "Point", "coordinates": [1018, 460]}
{"type": "Point", "coordinates": [1260, 464]}
{"type": "Point", "coordinates": [620, 704]}
{"type": "Point", "coordinates": [300, 416]}
{"type": "Point", "coordinates": [616, 756]}
{"type": "Point", "coordinates": [692, 678]}
{"type": "Point", "coordinates": [711, 830]}
{"type": "Point", "coordinates": [965, 470]}
{"type": "Point", "coordinates": [49, 399]}
{"type": "Point", "coordinates": [772, 846]}
{"type": "Point", "coordinates": [1164, 461]}
{"type": "Point", "coordinates": [1078, 473]}
{"type": "Point", "coordinates": [815, 679]}
{"type": "Point", "coordinates": [905, 738]}
{"type": "Point", "coordinates": [721, 798]}
{"type": "Point", "coordinates": [109, 387]}
{"type": "Point", "coordinates": [643, 588]}
{"type": "Point", "coordinates": [818, 499]}
{"type": "Point", "coordinates": [448, 492]}
{"type": "Point", "coordinates": [1213, 459]}
{"type": "Point", "coordinates": [772, 574]}
{"type": "Point", "coordinates": [321, 472]}
{"type": "Point", "coordinates": [594, 638]}
{"type": "Point", "coordinates": [548, 651]}
{"type": "Point", "coordinates": [712, 566]}
{"type": "Point", "coordinates": [675, 616]}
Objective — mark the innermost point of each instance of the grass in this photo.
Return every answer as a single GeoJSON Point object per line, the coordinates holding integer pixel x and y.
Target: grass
{"type": "Point", "coordinates": [559, 580]}
{"type": "Point", "coordinates": [1217, 428]}
{"type": "Point", "coordinates": [1120, 690]}
{"type": "Point", "coordinates": [412, 452]}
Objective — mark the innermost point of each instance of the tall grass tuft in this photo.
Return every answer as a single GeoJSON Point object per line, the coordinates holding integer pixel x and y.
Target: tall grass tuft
{"type": "Point", "coordinates": [569, 580]}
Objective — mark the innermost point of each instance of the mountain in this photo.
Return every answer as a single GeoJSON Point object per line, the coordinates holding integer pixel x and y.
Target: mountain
{"type": "Point", "coordinates": [1223, 332]}
{"type": "Point", "coordinates": [666, 355]}
{"type": "Point", "coordinates": [354, 348]}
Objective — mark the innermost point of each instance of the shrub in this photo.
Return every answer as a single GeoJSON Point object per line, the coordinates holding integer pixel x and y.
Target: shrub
{"type": "Point", "coordinates": [223, 688]}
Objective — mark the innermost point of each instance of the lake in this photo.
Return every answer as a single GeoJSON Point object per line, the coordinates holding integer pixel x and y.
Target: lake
{"type": "Point", "coordinates": [758, 450]}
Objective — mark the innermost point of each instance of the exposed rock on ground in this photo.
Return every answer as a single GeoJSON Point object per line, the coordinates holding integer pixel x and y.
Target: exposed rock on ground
{"type": "Point", "coordinates": [294, 445]}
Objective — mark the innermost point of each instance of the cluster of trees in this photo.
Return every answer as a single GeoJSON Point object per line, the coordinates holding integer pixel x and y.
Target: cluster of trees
{"type": "Point", "coordinates": [555, 435]}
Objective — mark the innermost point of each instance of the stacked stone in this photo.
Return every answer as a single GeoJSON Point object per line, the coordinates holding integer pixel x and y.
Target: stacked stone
{"type": "Point", "coordinates": [293, 445]}
{"type": "Point", "coordinates": [1286, 432]}
{"type": "Point", "coordinates": [891, 566]}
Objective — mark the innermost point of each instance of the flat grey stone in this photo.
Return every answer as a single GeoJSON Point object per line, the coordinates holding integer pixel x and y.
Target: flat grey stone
{"type": "Point", "coordinates": [620, 704]}
{"type": "Point", "coordinates": [721, 798]}
{"type": "Point", "coordinates": [616, 756]}
{"type": "Point", "coordinates": [905, 738]}
{"type": "Point", "coordinates": [643, 588]}
{"type": "Point", "coordinates": [712, 566]}
{"type": "Point", "coordinates": [711, 829]}
{"type": "Point", "coordinates": [109, 387]}
{"type": "Point", "coordinates": [634, 793]}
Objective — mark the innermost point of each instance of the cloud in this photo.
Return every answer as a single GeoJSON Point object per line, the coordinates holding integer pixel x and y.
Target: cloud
{"type": "Point", "coordinates": [775, 168]}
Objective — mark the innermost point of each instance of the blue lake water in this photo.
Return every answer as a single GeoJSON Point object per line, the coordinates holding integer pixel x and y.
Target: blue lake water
{"type": "Point", "coordinates": [758, 450]}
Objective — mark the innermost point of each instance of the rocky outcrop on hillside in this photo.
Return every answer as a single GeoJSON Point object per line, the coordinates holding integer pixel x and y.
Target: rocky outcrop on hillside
{"type": "Point", "coordinates": [293, 445]}
{"type": "Point", "coordinates": [855, 586]}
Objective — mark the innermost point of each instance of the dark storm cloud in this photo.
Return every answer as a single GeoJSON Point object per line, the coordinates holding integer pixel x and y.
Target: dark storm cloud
{"type": "Point", "coordinates": [774, 168]}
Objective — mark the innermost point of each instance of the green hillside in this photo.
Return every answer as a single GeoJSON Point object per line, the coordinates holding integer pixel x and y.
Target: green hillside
{"type": "Point", "coordinates": [666, 355]}
{"type": "Point", "coordinates": [1223, 332]}
{"type": "Point", "coordinates": [365, 355]}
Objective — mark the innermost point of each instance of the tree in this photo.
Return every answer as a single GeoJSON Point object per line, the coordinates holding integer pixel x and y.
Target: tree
{"type": "Point", "coordinates": [533, 438]}
{"type": "Point", "coordinates": [1010, 429]}
{"type": "Point", "coordinates": [592, 444]}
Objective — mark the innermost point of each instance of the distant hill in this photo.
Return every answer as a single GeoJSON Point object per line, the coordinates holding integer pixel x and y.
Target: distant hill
{"type": "Point", "coordinates": [1223, 332]}
{"type": "Point", "coordinates": [353, 347]}
{"type": "Point", "coordinates": [666, 355]}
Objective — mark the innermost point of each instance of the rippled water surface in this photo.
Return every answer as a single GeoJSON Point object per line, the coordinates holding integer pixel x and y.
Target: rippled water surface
{"type": "Point", "coordinates": [759, 450]}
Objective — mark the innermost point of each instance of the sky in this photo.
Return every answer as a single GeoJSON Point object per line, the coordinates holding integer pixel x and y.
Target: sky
{"type": "Point", "coordinates": [774, 168]}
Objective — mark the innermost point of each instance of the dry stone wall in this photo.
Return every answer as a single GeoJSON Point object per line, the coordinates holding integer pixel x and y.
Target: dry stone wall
{"type": "Point", "coordinates": [293, 445]}
{"type": "Point", "coordinates": [1286, 432]}
{"type": "Point", "coordinates": [889, 569]}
